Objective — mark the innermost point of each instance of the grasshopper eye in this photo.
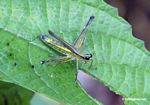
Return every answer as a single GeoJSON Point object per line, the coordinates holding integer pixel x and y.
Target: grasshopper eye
{"type": "Point", "coordinates": [87, 56]}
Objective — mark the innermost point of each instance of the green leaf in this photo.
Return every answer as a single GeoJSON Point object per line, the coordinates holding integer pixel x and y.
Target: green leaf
{"type": "Point", "coordinates": [120, 60]}
{"type": "Point", "coordinates": [55, 82]}
{"type": "Point", "coordinates": [41, 100]}
{"type": "Point", "coordinates": [11, 94]}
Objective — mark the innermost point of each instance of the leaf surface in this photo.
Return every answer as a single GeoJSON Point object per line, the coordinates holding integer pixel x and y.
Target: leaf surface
{"type": "Point", "coordinates": [120, 60]}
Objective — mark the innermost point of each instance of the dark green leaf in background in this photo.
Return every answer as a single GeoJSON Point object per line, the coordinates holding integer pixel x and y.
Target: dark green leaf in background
{"type": "Point", "coordinates": [11, 94]}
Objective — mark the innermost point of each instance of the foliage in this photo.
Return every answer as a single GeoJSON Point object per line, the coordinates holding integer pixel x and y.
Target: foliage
{"type": "Point", "coordinates": [120, 60]}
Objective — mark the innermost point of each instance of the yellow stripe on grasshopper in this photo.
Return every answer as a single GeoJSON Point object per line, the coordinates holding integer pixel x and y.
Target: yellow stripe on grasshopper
{"type": "Point", "coordinates": [55, 45]}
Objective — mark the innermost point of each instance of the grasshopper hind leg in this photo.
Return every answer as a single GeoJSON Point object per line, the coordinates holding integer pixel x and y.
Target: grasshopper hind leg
{"type": "Point", "coordinates": [59, 59]}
